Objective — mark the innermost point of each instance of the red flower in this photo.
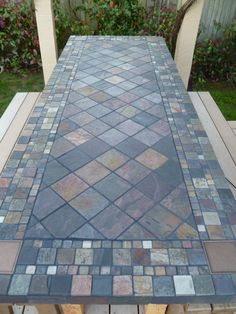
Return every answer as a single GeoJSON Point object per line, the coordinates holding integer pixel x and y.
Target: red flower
{"type": "Point", "coordinates": [111, 4]}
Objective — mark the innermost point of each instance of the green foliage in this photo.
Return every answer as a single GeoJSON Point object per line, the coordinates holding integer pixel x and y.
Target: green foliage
{"type": "Point", "coordinates": [216, 59]}
{"type": "Point", "coordinates": [19, 46]}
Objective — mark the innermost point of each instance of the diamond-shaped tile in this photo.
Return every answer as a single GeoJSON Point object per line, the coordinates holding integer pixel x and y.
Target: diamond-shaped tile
{"type": "Point", "coordinates": [96, 127]}
{"type": "Point", "coordinates": [178, 202]}
{"type": "Point", "coordinates": [46, 202]}
{"type": "Point", "coordinates": [151, 159]}
{"type": "Point", "coordinates": [133, 172]}
{"type": "Point", "coordinates": [89, 203]}
{"type": "Point", "coordinates": [66, 126]}
{"type": "Point", "coordinates": [155, 186]}
{"type": "Point", "coordinates": [100, 97]}
{"type": "Point", "coordinates": [78, 137]}
{"type": "Point", "coordinates": [111, 228]}
{"type": "Point", "coordinates": [92, 172]}
{"type": "Point", "coordinates": [113, 118]}
{"type": "Point", "coordinates": [63, 222]}
{"type": "Point", "coordinates": [94, 147]}
{"type": "Point", "coordinates": [160, 222]}
{"type": "Point", "coordinates": [112, 186]}
{"type": "Point", "coordinates": [69, 187]}
{"type": "Point", "coordinates": [128, 111]}
{"type": "Point", "coordinates": [129, 127]}
{"type": "Point", "coordinates": [112, 159]}
{"type": "Point", "coordinates": [74, 159]}
{"type": "Point", "coordinates": [145, 118]}
{"type": "Point", "coordinates": [82, 118]}
{"type": "Point", "coordinates": [134, 203]}
{"type": "Point", "coordinates": [53, 172]}
{"type": "Point", "coordinates": [113, 137]}
{"type": "Point", "coordinates": [114, 103]}
{"type": "Point", "coordinates": [99, 111]}
{"type": "Point", "coordinates": [131, 147]}
{"type": "Point", "coordinates": [147, 137]}
{"type": "Point", "coordinates": [115, 79]}
{"type": "Point", "coordinates": [161, 127]}
{"type": "Point", "coordinates": [70, 110]}
{"type": "Point", "coordinates": [60, 147]}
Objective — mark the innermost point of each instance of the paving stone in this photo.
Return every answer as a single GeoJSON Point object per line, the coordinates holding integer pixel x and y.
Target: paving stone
{"type": "Point", "coordinates": [81, 285]}
{"type": "Point", "coordinates": [46, 256]}
{"type": "Point", "coordinates": [92, 172]}
{"type": "Point", "coordinates": [39, 285]}
{"type": "Point", "coordinates": [102, 285]}
{"type": "Point", "coordinates": [74, 159]}
{"type": "Point", "coordinates": [60, 285]}
{"type": "Point", "coordinates": [223, 285]}
{"type": "Point", "coordinates": [102, 257]}
{"type": "Point", "coordinates": [113, 137]}
{"type": "Point", "coordinates": [19, 285]}
{"type": "Point", "coordinates": [122, 285]}
{"type": "Point", "coordinates": [84, 257]}
{"type": "Point", "coordinates": [9, 251]}
{"type": "Point", "coordinates": [133, 172]}
{"type": "Point", "coordinates": [159, 257]}
{"type": "Point", "coordinates": [94, 147]}
{"type": "Point", "coordinates": [196, 257]}
{"type": "Point", "coordinates": [140, 257]}
{"type": "Point", "coordinates": [121, 257]}
{"type": "Point", "coordinates": [4, 284]}
{"type": "Point", "coordinates": [184, 285]}
{"type": "Point", "coordinates": [203, 285]}
{"type": "Point", "coordinates": [143, 285]}
{"type": "Point", "coordinates": [178, 257]}
{"type": "Point", "coordinates": [58, 226]}
{"type": "Point", "coordinates": [163, 286]}
{"type": "Point", "coordinates": [28, 255]}
{"type": "Point", "coordinates": [65, 256]}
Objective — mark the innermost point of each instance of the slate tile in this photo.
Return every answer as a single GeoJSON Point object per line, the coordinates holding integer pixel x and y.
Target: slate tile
{"type": "Point", "coordinates": [184, 285]}
{"type": "Point", "coordinates": [102, 285]}
{"type": "Point", "coordinates": [60, 285]}
{"type": "Point", "coordinates": [19, 285]}
{"type": "Point", "coordinates": [81, 285]}
{"type": "Point", "coordinates": [102, 257]}
{"type": "Point", "coordinates": [140, 257]}
{"type": "Point", "coordinates": [74, 159]}
{"type": "Point", "coordinates": [203, 285]}
{"type": "Point", "coordinates": [163, 286]}
{"type": "Point", "coordinates": [46, 256]}
{"type": "Point", "coordinates": [113, 137]}
{"type": "Point", "coordinates": [143, 285]}
{"type": "Point", "coordinates": [53, 172]}
{"type": "Point", "coordinates": [92, 172]}
{"type": "Point", "coordinates": [133, 172]}
{"type": "Point", "coordinates": [28, 255]}
{"type": "Point", "coordinates": [63, 222]}
{"type": "Point", "coordinates": [94, 147]}
{"type": "Point", "coordinates": [223, 285]}
{"type": "Point", "coordinates": [39, 285]}
{"type": "Point", "coordinates": [196, 257]}
{"type": "Point", "coordinates": [131, 147]}
{"type": "Point", "coordinates": [4, 284]}
{"type": "Point", "coordinates": [122, 285]}
{"type": "Point", "coordinates": [61, 146]}
{"type": "Point", "coordinates": [65, 256]}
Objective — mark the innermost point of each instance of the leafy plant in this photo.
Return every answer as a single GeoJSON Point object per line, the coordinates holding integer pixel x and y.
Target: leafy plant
{"type": "Point", "coordinates": [19, 45]}
{"type": "Point", "coordinates": [215, 59]}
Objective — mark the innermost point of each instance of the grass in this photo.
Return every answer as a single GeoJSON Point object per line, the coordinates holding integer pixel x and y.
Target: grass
{"type": "Point", "coordinates": [224, 96]}
{"type": "Point", "coordinates": [13, 83]}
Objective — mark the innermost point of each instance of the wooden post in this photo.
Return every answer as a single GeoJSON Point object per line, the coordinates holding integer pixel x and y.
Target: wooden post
{"type": "Point", "coordinates": [187, 39]}
{"type": "Point", "coordinates": [47, 36]}
{"type": "Point", "coordinates": [72, 309]}
{"type": "Point", "coordinates": [155, 309]}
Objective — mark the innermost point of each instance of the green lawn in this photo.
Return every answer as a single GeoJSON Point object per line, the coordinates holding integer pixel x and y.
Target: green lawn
{"type": "Point", "coordinates": [13, 83]}
{"type": "Point", "coordinates": [225, 97]}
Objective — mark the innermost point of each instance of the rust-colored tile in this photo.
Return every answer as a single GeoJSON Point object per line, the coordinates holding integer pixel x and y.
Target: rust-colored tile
{"type": "Point", "coordinates": [9, 251]}
{"type": "Point", "coordinates": [221, 256]}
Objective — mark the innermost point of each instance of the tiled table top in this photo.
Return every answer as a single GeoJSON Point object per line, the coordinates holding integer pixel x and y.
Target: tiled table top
{"type": "Point", "coordinates": [113, 190]}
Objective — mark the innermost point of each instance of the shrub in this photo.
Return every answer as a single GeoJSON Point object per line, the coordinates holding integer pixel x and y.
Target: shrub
{"type": "Point", "coordinates": [19, 46]}
{"type": "Point", "coordinates": [215, 59]}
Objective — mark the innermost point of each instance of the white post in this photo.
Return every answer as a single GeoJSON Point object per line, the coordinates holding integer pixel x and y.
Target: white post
{"type": "Point", "coordinates": [47, 36]}
{"type": "Point", "coordinates": [187, 39]}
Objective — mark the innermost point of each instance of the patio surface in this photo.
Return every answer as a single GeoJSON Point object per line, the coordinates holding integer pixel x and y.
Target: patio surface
{"type": "Point", "coordinates": [112, 192]}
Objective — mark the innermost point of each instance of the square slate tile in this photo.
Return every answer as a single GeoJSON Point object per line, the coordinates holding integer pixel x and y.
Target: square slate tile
{"type": "Point", "coordinates": [60, 147]}
{"type": "Point", "coordinates": [134, 203]}
{"type": "Point", "coordinates": [128, 111]}
{"type": "Point", "coordinates": [53, 172]}
{"type": "Point", "coordinates": [221, 256]}
{"type": "Point", "coordinates": [161, 127]}
{"type": "Point", "coordinates": [9, 251]}
{"type": "Point", "coordinates": [78, 137]}
{"type": "Point", "coordinates": [147, 137]}
{"type": "Point", "coordinates": [46, 202]}
{"type": "Point", "coordinates": [46, 256]}
{"type": "Point", "coordinates": [39, 285]}
{"type": "Point", "coordinates": [96, 127]}
{"type": "Point", "coordinates": [223, 285]}
{"type": "Point", "coordinates": [82, 118]}
{"type": "Point", "coordinates": [89, 203]}
{"type": "Point", "coordinates": [113, 118]}
{"type": "Point", "coordinates": [144, 118]}
{"type": "Point", "coordinates": [99, 111]}
{"type": "Point", "coordinates": [122, 285]}
{"type": "Point", "coordinates": [184, 285]}
{"type": "Point", "coordinates": [143, 285]}
{"type": "Point", "coordinates": [94, 147]}
{"type": "Point", "coordinates": [73, 160]}
{"type": "Point", "coordinates": [66, 126]}
{"type": "Point", "coordinates": [60, 285]}
{"type": "Point", "coordinates": [112, 187]}
{"type": "Point", "coordinates": [160, 222]}
{"type": "Point", "coordinates": [69, 187]}
{"type": "Point", "coordinates": [163, 286]}
{"type": "Point", "coordinates": [203, 285]}
{"type": "Point", "coordinates": [92, 172]}
{"type": "Point", "coordinates": [19, 284]}
{"type": "Point", "coordinates": [111, 229]}
{"type": "Point", "coordinates": [4, 283]}
{"type": "Point", "coordinates": [131, 147]}
{"type": "Point", "coordinates": [133, 172]}
{"type": "Point", "coordinates": [151, 159]}
{"type": "Point", "coordinates": [154, 186]}
{"type": "Point", "coordinates": [112, 159]}
{"type": "Point", "coordinates": [129, 127]}
{"type": "Point", "coordinates": [102, 285]}
{"type": "Point", "coordinates": [113, 137]}
{"type": "Point", "coordinates": [81, 285]}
